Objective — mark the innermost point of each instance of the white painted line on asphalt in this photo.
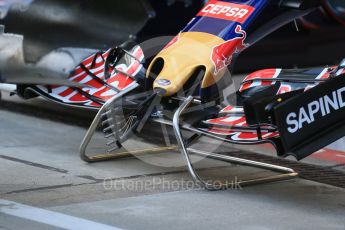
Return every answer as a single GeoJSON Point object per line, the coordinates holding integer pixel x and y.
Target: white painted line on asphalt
{"type": "Point", "coordinates": [49, 217]}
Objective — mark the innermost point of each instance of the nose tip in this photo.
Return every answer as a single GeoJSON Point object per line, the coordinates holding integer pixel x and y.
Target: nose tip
{"type": "Point", "coordinates": [159, 91]}
{"type": "Point", "coordinates": [164, 87]}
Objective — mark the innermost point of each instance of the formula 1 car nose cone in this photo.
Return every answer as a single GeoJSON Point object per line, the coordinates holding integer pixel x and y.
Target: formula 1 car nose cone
{"type": "Point", "coordinates": [177, 62]}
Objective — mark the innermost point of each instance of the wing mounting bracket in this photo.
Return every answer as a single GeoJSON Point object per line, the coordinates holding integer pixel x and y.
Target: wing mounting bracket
{"type": "Point", "coordinates": [287, 173]}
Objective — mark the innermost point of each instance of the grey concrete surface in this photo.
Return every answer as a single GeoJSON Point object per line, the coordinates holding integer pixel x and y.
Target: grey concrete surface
{"type": "Point", "coordinates": [40, 167]}
{"type": "Point", "coordinates": [8, 222]}
{"type": "Point", "coordinates": [292, 205]}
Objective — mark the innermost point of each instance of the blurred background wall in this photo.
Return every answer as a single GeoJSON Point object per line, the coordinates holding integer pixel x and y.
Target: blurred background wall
{"type": "Point", "coordinates": [50, 24]}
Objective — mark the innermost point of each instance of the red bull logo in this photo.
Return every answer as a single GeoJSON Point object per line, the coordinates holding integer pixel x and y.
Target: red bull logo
{"type": "Point", "coordinates": [173, 41]}
{"type": "Point", "coordinates": [222, 54]}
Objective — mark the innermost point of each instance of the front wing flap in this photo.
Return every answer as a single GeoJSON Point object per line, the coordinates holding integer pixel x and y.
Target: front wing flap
{"type": "Point", "coordinates": [92, 72]}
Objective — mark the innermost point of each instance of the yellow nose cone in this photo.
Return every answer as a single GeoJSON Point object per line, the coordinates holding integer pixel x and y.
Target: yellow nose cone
{"type": "Point", "coordinates": [180, 60]}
